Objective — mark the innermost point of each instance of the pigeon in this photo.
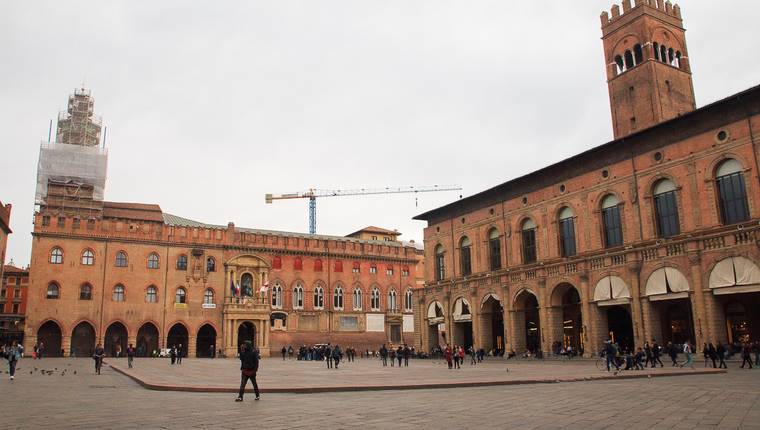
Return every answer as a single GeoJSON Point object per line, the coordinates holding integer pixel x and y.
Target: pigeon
{"type": "Point", "coordinates": [75, 372]}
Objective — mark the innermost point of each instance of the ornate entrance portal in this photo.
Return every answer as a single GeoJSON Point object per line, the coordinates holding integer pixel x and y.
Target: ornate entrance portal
{"type": "Point", "coordinates": [247, 310]}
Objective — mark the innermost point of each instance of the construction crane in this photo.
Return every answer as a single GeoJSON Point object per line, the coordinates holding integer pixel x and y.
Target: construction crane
{"type": "Point", "coordinates": [312, 194]}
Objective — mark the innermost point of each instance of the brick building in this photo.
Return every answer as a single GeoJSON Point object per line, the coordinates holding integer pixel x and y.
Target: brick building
{"type": "Point", "coordinates": [121, 273]}
{"type": "Point", "coordinates": [5, 230]}
{"type": "Point", "coordinates": [653, 235]}
{"type": "Point", "coordinates": [13, 293]}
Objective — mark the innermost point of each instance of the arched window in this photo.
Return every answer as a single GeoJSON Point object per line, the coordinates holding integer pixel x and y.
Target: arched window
{"type": "Point", "coordinates": [638, 54]}
{"type": "Point", "coordinates": [208, 296]}
{"type": "Point", "coordinates": [338, 298]}
{"type": "Point", "coordinates": [53, 291]}
{"type": "Point", "coordinates": [210, 264]}
{"type": "Point", "coordinates": [277, 296]}
{"type": "Point", "coordinates": [677, 61]}
{"type": "Point", "coordinates": [85, 292]}
{"type": "Point", "coordinates": [374, 300]}
{"type": "Point", "coordinates": [566, 225]}
{"type": "Point", "coordinates": [317, 265]}
{"type": "Point", "coordinates": [88, 258]}
{"type": "Point", "coordinates": [56, 255]}
{"type": "Point", "coordinates": [619, 65]}
{"type": "Point", "coordinates": [319, 298]}
{"type": "Point", "coordinates": [440, 269]}
{"type": "Point", "coordinates": [465, 257]}
{"type": "Point", "coordinates": [494, 249]}
{"type": "Point", "coordinates": [298, 263]}
{"type": "Point", "coordinates": [613, 227]}
{"type": "Point", "coordinates": [408, 300]}
{"type": "Point", "coordinates": [528, 233]}
{"type": "Point", "coordinates": [656, 49]}
{"type": "Point", "coordinates": [180, 296]}
{"type": "Point", "coordinates": [665, 208]}
{"type": "Point", "coordinates": [121, 259]}
{"type": "Point", "coordinates": [298, 297]}
{"type": "Point", "coordinates": [357, 299]}
{"type": "Point", "coordinates": [671, 56]}
{"type": "Point", "coordinates": [118, 293]}
{"type": "Point", "coordinates": [182, 262]}
{"type": "Point", "coordinates": [732, 194]}
{"type": "Point", "coordinates": [373, 268]}
{"type": "Point", "coordinates": [628, 60]}
{"type": "Point", "coordinates": [151, 295]}
{"type": "Point", "coordinates": [153, 261]}
{"type": "Point", "coordinates": [392, 304]}
{"type": "Point", "coordinates": [663, 54]}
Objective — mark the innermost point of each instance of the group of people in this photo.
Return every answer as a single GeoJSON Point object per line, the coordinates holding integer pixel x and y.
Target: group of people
{"type": "Point", "coordinates": [403, 352]}
{"type": "Point", "coordinates": [712, 353]}
{"type": "Point", "coordinates": [649, 355]}
{"type": "Point", "coordinates": [454, 356]}
{"type": "Point", "coordinates": [176, 352]}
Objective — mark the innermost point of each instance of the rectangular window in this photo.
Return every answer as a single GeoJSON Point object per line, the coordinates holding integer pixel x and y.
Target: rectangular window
{"type": "Point", "coordinates": [373, 269]}
{"type": "Point", "coordinates": [45, 220]}
{"type": "Point", "coordinates": [389, 272]}
{"type": "Point", "coordinates": [17, 293]}
{"type": "Point", "coordinates": [567, 237]}
{"type": "Point", "coordinates": [405, 272]}
{"type": "Point", "coordinates": [733, 201]}
{"type": "Point", "coordinates": [466, 261]}
{"type": "Point", "coordinates": [440, 271]}
{"type": "Point", "coordinates": [529, 245]}
{"type": "Point", "coordinates": [76, 222]}
{"type": "Point", "coordinates": [61, 221]}
{"type": "Point", "coordinates": [666, 212]}
{"type": "Point", "coordinates": [494, 246]}
{"type": "Point", "coordinates": [613, 229]}
{"type": "Point", "coordinates": [15, 308]}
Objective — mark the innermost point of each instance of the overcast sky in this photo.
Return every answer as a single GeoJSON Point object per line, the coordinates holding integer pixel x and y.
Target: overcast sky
{"type": "Point", "coordinates": [208, 108]}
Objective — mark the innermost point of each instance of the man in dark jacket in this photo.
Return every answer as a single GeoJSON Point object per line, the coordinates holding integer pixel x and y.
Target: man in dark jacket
{"type": "Point", "coordinates": [720, 350]}
{"type": "Point", "coordinates": [336, 355]}
{"type": "Point", "coordinates": [328, 356]}
{"type": "Point", "coordinates": [249, 365]}
{"type": "Point", "coordinates": [384, 355]}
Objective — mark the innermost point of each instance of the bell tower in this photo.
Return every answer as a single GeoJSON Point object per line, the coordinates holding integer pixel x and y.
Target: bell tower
{"type": "Point", "coordinates": [648, 72]}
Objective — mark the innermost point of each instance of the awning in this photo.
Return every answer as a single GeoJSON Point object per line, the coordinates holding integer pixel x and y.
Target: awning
{"type": "Point", "coordinates": [734, 272]}
{"type": "Point", "coordinates": [435, 310]}
{"type": "Point", "coordinates": [462, 310]}
{"type": "Point", "coordinates": [611, 288]}
{"type": "Point", "coordinates": [666, 280]}
{"type": "Point", "coordinates": [488, 296]}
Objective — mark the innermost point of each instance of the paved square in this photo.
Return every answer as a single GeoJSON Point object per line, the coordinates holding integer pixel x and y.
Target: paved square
{"type": "Point", "coordinates": [84, 400]}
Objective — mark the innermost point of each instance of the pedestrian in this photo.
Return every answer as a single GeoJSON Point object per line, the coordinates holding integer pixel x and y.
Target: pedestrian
{"type": "Point", "coordinates": [393, 356]}
{"type": "Point", "coordinates": [746, 357]}
{"type": "Point", "coordinates": [337, 354]}
{"type": "Point", "coordinates": [638, 359]}
{"type": "Point", "coordinates": [13, 354]}
{"type": "Point", "coordinates": [656, 351]}
{"type": "Point", "coordinates": [720, 350]}
{"type": "Point", "coordinates": [712, 354]}
{"type": "Point", "coordinates": [673, 353]}
{"type": "Point", "coordinates": [284, 352]}
{"type": "Point", "coordinates": [98, 357]}
{"type": "Point", "coordinates": [399, 355]}
{"type": "Point", "coordinates": [610, 351]}
{"type": "Point", "coordinates": [705, 354]}
{"type": "Point", "coordinates": [130, 355]}
{"type": "Point", "coordinates": [461, 357]}
{"type": "Point", "coordinates": [473, 360]}
{"type": "Point", "coordinates": [328, 356]}
{"type": "Point", "coordinates": [249, 365]}
{"type": "Point", "coordinates": [40, 350]}
{"type": "Point", "coordinates": [180, 353]}
{"type": "Point", "coordinates": [173, 354]}
{"type": "Point", "coordinates": [448, 355]}
{"type": "Point", "coordinates": [648, 354]}
{"type": "Point", "coordinates": [756, 351]}
{"type": "Point", "coordinates": [211, 351]}
{"type": "Point", "coordinates": [407, 353]}
{"type": "Point", "coordinates": [687, 352]}
{"type": "Point", "coordinates": [290, 352]}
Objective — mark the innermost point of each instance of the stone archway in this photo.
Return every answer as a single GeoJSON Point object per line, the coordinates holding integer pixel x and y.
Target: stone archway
{"type": "Point", "coordinates": [49, 335]}
{"type": "Point", "coordinates": [147, 340]}
{"type": "Point", "coordinates": [436, 327]}
{"type": "Point", "coordinates": [526, 323]}
{"type": "Point", "coordinates": [566, 319]}
{"type": "Point", "coordinates": [83, 340]}
{"type": "Point", "coordinates": [205, 343]}
{"type": "Point", "coordinates": [461, 327]}
{"type": "Point", "coordinates": [246, 333]}
{"type": "Point", "coordinates": [115, 343]}
{"type": "Point", "coordinates": [492, 324]}
{"type": "Point", "coordinates": [178, 337]}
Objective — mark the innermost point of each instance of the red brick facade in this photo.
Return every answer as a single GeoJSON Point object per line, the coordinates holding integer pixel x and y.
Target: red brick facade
{"type": "Point", "coordinates": [13, 303]}
{"type": "Point", "coordinates": [670, 278]}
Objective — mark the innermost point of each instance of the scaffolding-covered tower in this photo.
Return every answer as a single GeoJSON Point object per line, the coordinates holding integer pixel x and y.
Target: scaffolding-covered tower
{"type": "Point", "coordinates": [71, 173]}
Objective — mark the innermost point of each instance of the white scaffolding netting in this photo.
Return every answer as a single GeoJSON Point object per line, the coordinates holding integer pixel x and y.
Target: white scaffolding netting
{"type": "Point", "coordinates": [63, 162]}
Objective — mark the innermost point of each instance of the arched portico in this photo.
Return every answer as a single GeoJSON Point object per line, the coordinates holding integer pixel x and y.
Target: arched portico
{"type": "Point", "coordinates": [566, 319]}
{"type": "Point", "coordinates": [526, 323]}
{"type": "Point", "coordinates": [669, 306]}
{"type": "Point", "coordinates": [613, 300]}
{"type": "Point", "coordinates": [492, 324]}
{"type": "Point", "coordinates": [735, 287]}
{"type": "Point", "coordinates": [461, 323]}
{"type": "Point", "coordinates": [436, 326]}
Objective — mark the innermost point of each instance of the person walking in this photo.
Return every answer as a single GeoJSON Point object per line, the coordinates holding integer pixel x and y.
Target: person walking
{"type": "Point", "coordinates": [448, 354]}
{"type": "Point", "coordinates": [130, 355]}
{"type": "Point", "coordinates": [328, 356]}
{"type": "Point", "coordinates": [712, 354]}
{"type": "Point", "coordinates": [473, 360]}
{"type": "Point", "coordinates": [407, 353]}
{"type": "Point", "coordinates": [40, 350]}
{"type": "Point", "coordinates": [399, 355]}
{"type": "Point", "coordinates": [461, 357]}
{"type": "Point", "coordinates": [13, 354]}
{"type": "Point", "coordinates": [337, 354]}
{"type": "Point", "coordinates": [705, 354]}
{"type": "Point", "coordinates": [746, 355]}
{"type": "Point", "coordinates": [249, 366]}
{"type": "Point", "coordinates": [98, 357]}
{"type": "Point", "coordinates": [610, 352]}
{"type": "Point", "coordinates": [384, 355]}
{"type": "Point", "coordinates": [648, 354]}
{"type": "Point", "coordinates": [173, 354]}
{"type": "Point", "coordinates": [656, 351]}
{"type": "Point", "coordinates": [720, 350]}
{"type": "Point", "coordinates": [284, 352]}
{"type": "Point", "coordinates": [687, 352]}
{"type": "Point", "coordinates": [673, 354]}
{"type": "Point", "coordinates": [180, 353]}
{"type": "Point", "coordinates": [290, 352]}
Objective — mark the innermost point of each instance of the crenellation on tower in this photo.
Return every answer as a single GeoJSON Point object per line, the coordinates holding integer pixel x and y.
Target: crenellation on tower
{"type": "Point", "coordinates": [665, 7]}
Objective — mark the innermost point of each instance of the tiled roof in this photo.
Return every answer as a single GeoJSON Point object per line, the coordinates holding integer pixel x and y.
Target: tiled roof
{"type": "Point", "coordinates": [373, 229]}
{"type": "Point", "coordinates": [13, 269]}
{"type": "Point", "coordinates": [136, 211]}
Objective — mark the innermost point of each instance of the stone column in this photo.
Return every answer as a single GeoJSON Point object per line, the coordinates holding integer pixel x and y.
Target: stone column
{"type": "Point", "coordinates": [448, 316]}
{"type": "Point", "coordinates": [66, 345]}
{"type": "Point", "coordinates": [191, 345]}
{"type": "Point", "coordinates": [587, 318]}
{"type": "Point", "coordinates": [637, 317]}
{"type": "Point", "coordinates": [546, 322]}
{"type": "Point", "coordinates": [509, 329]}
{"type": "Point", "coordinates": [475, 311]}
{"type": "Point", "coordinates": [703, 329]}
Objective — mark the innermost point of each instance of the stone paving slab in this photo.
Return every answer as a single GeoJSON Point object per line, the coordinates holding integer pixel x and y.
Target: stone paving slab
{"type": "Point", "coordinates": [292, 376]}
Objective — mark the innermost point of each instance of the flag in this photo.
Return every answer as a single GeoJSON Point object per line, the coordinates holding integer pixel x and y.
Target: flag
{"type": "Point", "coordinates": [233, 290]}
{"type": "Point", "coordinates": [237, 288]}
{"type": "Point", "coordinates": [264, 288]}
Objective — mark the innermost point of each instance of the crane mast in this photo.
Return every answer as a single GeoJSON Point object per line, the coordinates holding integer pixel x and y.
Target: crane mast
{"type": "Point", "coordinates": [312, 194]}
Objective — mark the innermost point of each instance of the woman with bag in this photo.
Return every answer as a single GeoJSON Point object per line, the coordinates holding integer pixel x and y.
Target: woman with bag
{"type": "Point", "coordinates": [13, 354]}
{"type": "Point", "coordinates": [249, 365]}
{"type": "Point", "coordinates": [98, 357]}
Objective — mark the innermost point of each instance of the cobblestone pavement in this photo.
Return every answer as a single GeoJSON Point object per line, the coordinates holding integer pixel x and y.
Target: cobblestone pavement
{"type": "Point", "coordinates": [83, 400]}
{"type": "Point", "coordinates": [293, 374]}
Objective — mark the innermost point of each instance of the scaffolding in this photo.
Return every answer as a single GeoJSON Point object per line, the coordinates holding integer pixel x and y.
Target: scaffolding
{"type": "Point", "coordinates": [78, 124]}
{"type": "Point", "coordinates": [61, 163]}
